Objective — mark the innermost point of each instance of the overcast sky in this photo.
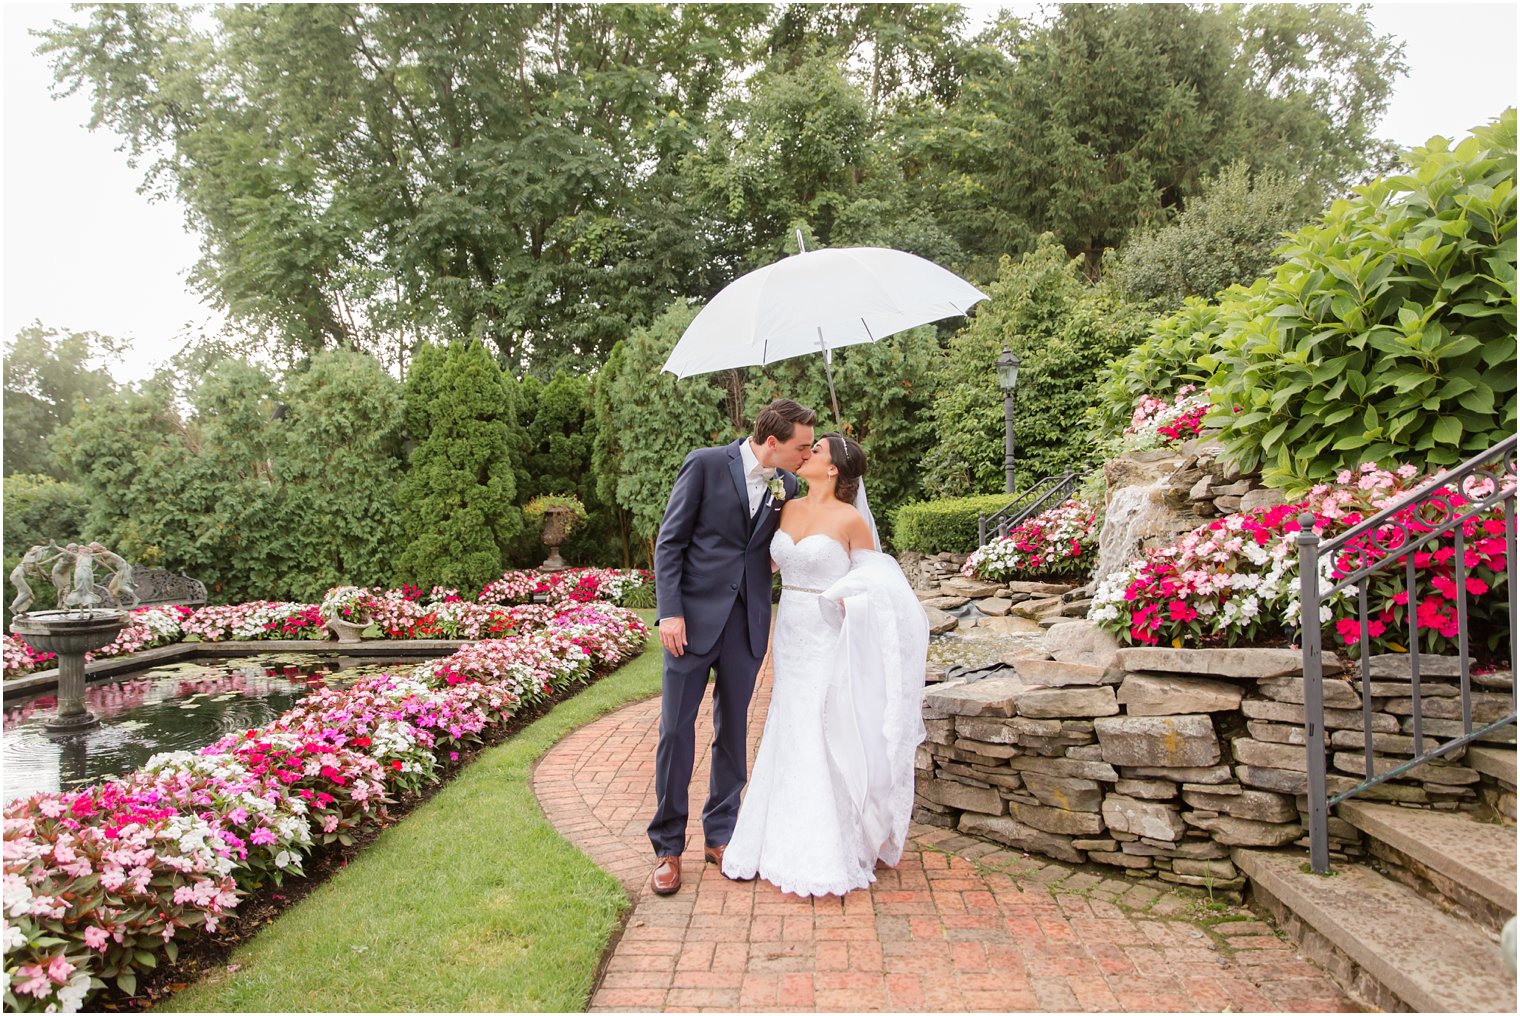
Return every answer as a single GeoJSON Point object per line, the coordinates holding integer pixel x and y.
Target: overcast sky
{"type": "Point", "coordinates": [84, 251]}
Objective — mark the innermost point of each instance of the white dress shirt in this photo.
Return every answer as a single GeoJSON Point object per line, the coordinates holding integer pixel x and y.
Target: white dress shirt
{"type": "Point", "coordinates": [756, 477]}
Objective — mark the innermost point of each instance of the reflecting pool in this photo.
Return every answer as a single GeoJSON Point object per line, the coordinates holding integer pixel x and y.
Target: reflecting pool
{"type": "Point", "coordinates": [175, 707]}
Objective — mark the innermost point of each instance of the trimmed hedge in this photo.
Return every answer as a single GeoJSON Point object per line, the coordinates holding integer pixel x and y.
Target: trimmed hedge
{"type": "Point", "coordinates": [947, 524]}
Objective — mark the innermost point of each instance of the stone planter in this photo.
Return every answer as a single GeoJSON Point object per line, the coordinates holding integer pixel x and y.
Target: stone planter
{"type": "Point", "coordinates": [557, 523]}
{"type": "Point", "coordinates": [348, 631]}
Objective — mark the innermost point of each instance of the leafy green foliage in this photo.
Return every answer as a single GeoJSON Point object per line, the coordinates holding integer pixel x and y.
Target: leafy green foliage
{"type": "Point", "coordinates": [458, 499]}
{"type": "Point", "coordinates": [946, 524]}
{"type": "Point", "coordinates": [1228, 234]}
{"type": "Point", "coordinates": [1102, 119]}
{"type": "Point", "coordinates": [268, 489]}
{"type": "Point", "coordinates": [1165, 359]}
{"type": "Point", "coordinates": [545, 177]}
{"type": "Point", "coordinates": [40, 508]}
{"type": "Point", "coordinates": [1388, 331]}
{"type": "Point", "coordinates": [1063, 331]}
{"type": "Point", "coordinates": [340, 465]}
{"type": "Point", "coordinates": [46, 374]}
{"type": "Point", "coordinates": [651, 420]}
{"type": "Point", "coordinates": [559, 436]}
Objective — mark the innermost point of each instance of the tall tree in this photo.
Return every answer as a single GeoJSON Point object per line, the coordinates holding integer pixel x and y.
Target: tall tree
{"type": "Point", "coordinates": [1063, 330]}
{"type": "Point", "coordinates": [1108, 116]}
{"type": "Point", "coordinates": [459, 496]}
{"type": "Point", "coordinates": [469, 170]}
{"type": "Point", "coordinates": [47, 374]}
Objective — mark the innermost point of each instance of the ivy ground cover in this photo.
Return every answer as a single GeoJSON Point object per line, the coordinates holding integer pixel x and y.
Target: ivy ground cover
{"type": "Point", "coordinates": [103, 883]}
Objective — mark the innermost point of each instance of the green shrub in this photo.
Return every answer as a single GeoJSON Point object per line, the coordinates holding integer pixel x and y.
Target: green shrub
{"type": "Point", "coordinates": [1166, 359]}
{"type": "Point", "coordinates": [639, 597]}
{"type": "Point", "coordinates": [39, 508]}
{"type": "Point", "coordinates": [1064, 331]}
{"type": "Point", "coordinates": [1388, 333]}
{"type": "Point", "coordinates": [1228, 234]}
{"type": "Point", "coordinates": [947, 524]}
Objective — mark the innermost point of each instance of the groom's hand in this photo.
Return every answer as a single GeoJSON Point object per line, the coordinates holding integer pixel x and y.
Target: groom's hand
{"type": "Point", "coordinates": [673, 635]}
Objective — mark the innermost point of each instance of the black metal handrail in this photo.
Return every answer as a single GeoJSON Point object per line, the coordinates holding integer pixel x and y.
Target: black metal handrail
{"type": "Point", "coordinates": [1050, 491]}
{"type": "Point", "coordinates": [1377, 544]}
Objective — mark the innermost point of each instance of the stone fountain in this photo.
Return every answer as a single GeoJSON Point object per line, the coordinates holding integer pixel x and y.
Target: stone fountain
{"type": "Point", "coordinates": [81, 624]}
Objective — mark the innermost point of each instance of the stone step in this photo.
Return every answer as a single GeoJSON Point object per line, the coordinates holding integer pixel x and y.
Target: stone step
{"type": "Point", "coordinates": [1496, 762]}
{"type": "Point", "coordinates": [1403, 951]}
{"type": "Point", "coordinates": [1478, 857]}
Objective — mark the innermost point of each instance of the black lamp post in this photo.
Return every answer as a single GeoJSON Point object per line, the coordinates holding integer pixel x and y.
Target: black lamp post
{"type": "Point", "coordinates": [1008, 378]}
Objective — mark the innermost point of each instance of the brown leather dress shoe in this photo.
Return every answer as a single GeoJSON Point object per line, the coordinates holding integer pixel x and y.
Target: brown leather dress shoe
{"type": "Point", "coordinates": [667, 876]}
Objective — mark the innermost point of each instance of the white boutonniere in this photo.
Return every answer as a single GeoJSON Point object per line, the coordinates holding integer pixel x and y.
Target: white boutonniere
{"type": "Point", "coordinates": [777, 487]}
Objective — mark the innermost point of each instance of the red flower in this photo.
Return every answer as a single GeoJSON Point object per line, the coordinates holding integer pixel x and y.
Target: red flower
{"type": "Point", "coordinates": [396, 764]}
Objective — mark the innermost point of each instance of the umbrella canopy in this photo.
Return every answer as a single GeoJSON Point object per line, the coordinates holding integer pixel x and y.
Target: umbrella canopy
{"type": "Point", "coordinates": [818, 301]}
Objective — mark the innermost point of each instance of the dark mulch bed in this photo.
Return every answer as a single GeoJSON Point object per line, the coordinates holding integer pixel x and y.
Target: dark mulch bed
{"type": "Point", "coordinates": [201, 953]}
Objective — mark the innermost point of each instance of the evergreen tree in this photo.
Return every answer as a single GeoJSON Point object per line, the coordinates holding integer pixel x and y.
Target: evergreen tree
{"type": "Point", "coordinates": [459, 497]}
{"type": "Point", "coordinates": [1063, 330]}
{"type": "Point", "coordinates": [340, 460]}
{"type": "Point", "coordinates": [655, 420]}
{"type": "Point", "coordinates": [560, 432]}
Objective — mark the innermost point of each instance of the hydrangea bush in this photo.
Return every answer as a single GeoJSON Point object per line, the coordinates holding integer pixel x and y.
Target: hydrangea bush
{"type": "Point", "coordinates": [1235, 579]}
{"type": "Point", "coordinates": [1059, 543]}
{"type": "Point", "coordinates": [102, 883]}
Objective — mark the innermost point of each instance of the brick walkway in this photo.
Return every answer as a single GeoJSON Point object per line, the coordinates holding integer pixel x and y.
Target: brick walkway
{"type": "Point", "coordinates": [958, 926]}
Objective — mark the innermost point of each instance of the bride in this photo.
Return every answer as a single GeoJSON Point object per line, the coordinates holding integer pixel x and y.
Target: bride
{"type": "Point", "coordinates": [832, 787]}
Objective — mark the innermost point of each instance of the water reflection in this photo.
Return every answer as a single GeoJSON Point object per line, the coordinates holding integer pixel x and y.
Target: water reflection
{"type": "Point", "coordinates": [172, 708]}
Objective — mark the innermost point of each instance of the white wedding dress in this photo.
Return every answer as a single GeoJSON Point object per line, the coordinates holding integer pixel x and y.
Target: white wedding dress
{"type": "Point", "coordinates": [831, 792]}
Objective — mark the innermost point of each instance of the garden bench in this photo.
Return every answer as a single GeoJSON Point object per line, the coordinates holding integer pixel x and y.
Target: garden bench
{"type": "Point", "coordinates": [159, 587]}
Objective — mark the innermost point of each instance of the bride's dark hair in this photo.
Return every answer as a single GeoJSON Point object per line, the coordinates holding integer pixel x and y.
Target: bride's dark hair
{"type": "Point", "coordinates": [850, 459]}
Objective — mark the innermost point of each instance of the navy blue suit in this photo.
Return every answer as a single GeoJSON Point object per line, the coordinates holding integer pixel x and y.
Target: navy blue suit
{"type": "Point", "coordinates": [712, 566]}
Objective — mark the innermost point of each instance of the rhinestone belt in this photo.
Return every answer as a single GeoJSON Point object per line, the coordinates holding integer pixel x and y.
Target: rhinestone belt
{"type": "Point", "coordinates": [801, 589]}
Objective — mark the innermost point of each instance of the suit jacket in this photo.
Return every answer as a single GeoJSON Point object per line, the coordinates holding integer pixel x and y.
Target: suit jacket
{"type": "Point", "coordinates": [710, 550]}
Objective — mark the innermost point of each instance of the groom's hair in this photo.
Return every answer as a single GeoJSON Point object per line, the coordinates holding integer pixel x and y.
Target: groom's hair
{"type": "Point", "coordinates": [780, 419]}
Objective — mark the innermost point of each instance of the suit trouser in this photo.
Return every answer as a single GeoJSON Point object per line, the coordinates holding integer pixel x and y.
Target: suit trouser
{"type": "Point", "coordinates": [683, 683]}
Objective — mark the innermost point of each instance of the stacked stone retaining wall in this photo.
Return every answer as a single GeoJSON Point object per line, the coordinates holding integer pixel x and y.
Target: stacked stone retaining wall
{"type": "Point", "coordinates": [1158, 761]}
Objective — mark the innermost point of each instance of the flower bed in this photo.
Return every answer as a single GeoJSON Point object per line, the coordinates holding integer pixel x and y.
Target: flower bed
{"type": "Point", "coordinates": [574, 585]}
{"type": "Point", "coordinates": [22, 659]}
{"type": "Point", "coordinates": [1157, 423]}
{"type": "Point", "coordinates": [1059, 543]}
{"type": "Point", "coordinates": [404, 613]}
{"type": "Point", "coordinates": [102, 883]}
{"type": "Point", "coordinates": [1235, 579]}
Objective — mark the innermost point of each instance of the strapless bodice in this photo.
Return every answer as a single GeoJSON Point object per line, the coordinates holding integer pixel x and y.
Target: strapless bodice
{"type": "Point", "coordinates": [814, 562]}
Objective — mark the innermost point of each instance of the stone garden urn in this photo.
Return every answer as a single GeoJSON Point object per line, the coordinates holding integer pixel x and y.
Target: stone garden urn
{"type": "Point", "coordinates": [557, 523]}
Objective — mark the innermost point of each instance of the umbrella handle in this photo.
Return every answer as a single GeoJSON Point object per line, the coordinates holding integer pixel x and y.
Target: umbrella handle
{"type": "Point", "coordinates": [828, 371]}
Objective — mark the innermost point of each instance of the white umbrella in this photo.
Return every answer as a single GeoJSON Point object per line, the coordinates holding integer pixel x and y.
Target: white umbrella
{"type": "Point", "coordinates": [818, 301]}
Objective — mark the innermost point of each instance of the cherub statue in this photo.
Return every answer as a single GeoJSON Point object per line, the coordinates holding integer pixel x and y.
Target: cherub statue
{"type": "Point", "coordinates": [120, 584]}
{"type": "Point", "coordinates": [31, 564]}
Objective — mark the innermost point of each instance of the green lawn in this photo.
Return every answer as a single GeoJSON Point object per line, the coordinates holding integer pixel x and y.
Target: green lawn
{"type": "Point", "coordinates": [472, 902]}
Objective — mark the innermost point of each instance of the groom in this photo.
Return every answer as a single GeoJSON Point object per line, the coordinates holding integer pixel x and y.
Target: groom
{"type": "Point", "coordinates": [712, 567]}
